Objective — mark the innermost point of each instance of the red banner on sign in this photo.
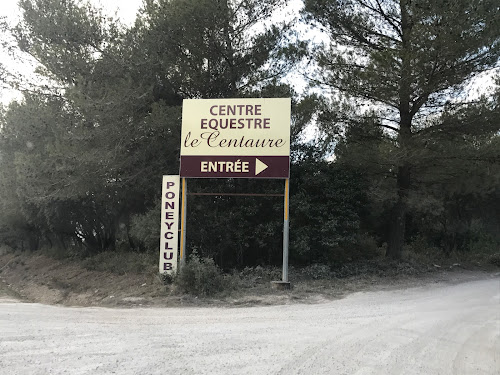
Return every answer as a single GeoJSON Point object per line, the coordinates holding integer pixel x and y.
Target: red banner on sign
{"type": "Point", "coordinates": [235, 166]}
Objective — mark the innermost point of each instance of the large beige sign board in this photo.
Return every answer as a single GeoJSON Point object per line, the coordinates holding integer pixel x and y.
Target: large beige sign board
{"type": "Point", "coordinates": [169, 224]}
{"type": "Point", "coordinates": [247, 138]}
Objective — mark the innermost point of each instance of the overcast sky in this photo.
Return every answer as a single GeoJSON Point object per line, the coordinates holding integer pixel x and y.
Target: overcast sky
{"type": "Point", "coordinates": [126, 11]}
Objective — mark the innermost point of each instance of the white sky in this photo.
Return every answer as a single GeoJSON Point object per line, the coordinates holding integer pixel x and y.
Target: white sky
{"type": "Point", "coordinates": [126, 11]}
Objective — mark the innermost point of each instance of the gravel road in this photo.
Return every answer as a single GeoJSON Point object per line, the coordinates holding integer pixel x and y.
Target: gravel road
{"type": "Point", "coordinates": [434, 329]}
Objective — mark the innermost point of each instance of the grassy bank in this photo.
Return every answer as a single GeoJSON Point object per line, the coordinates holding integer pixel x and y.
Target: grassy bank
{"type": "Point", "coordinates": [124, 279]}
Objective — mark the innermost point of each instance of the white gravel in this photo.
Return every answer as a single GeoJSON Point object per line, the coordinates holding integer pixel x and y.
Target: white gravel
{"type": "Point", "coordinates": [436, 329]}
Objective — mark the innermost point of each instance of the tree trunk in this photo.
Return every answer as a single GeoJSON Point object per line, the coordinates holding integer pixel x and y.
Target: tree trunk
{"type": "Point", "coordinates": [397, 224]}
{"type": "Point", "coordinates": [398, 215]}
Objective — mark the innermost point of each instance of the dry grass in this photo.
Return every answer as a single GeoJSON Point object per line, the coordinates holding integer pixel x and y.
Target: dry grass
{"type": "Point", "coordinates": [131, 280]}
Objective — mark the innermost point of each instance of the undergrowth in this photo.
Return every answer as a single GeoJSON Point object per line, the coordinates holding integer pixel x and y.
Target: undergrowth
{"type": "Point", "coordinates": [201, 277]}
{"type": "Point", "coordinates": [122, 262]}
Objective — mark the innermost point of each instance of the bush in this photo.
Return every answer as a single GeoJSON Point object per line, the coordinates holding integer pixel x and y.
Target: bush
{"type": "Point", "coordinates": [57, 252]}
{"type": "Point", "coordinates": [328, 202]}
{"type": "Point", "coordinates": [483, 243]}
{"type": "Point", "coordinates": [266, 273]}
{"type": "Point", "coordinates": [5, 249]}
{"type": "Point", "coordinates": [200, 276]}
{"type": "Point", "coordinates": [362, 247]}
{"type": "Point", "coordinates": [494, 259]}
{"type": "Point", "coordinates": [146, 228]}
{"type": "Point", "coordinates": [420, 250]}
{"type": "Point", "coordinates": [316, 271]}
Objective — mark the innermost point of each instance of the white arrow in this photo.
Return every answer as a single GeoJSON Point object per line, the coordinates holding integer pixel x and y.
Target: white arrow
{"type": "Point", "coordinates": [259, 166]}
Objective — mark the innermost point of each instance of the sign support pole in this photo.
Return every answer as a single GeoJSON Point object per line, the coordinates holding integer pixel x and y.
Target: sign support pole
{"type": "Point", "coordinates": [236, 138]}
{"type": "Point", "coordinates": [183, 223]}
{"type": "Point", "coordinates": [285, 231]}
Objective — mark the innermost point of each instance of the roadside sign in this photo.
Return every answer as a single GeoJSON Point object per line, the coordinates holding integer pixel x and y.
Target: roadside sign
{"type": "Point", "coordinates": [237, 138]}
{"type": "Point", "coordinates": [169, 224]}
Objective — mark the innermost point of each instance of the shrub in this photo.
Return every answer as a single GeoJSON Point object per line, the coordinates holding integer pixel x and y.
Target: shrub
{"type": "Point", "coordinates": [483, 243]}
{"type": "Point", "coordinates": [316, 271]}
{"type": "Point", "coordinates": [421, 249]}
{"type": "Point", "coordinates": [200, 276]}
{"type": "Point", "coordinates": [5, 249]}
{"type": "Point", "coordinates": [328, 202]}
{"type": "Point", "coordinates": [494, 259]}
{"type": "Point", "coordinates": [146, 228]}
{"type": "Point", "coordinates": [362, 247]}
{"type": "Point", "coordinates": [266, 273]}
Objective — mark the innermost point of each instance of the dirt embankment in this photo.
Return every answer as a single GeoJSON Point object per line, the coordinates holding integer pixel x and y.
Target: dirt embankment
{"type": "Point", "coordinates": [36, 277]}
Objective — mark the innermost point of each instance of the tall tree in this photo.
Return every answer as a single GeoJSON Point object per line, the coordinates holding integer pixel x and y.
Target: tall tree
{"type": "Point", "coordinates": [210, 48]}
{"type": "Point", "coordinates": [110, 126]}
{"type": "Point", "coordinates": [407, 59]}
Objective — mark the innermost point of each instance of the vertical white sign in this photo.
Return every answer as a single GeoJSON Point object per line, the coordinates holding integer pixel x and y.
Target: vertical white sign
{"type": "Point", "coordinates": [169, 224]}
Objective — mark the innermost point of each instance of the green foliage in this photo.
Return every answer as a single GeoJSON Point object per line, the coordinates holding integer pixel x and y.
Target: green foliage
{"type": "Point", "coordinates": [200, 277]}
{"type": "Point", "coordinates": [69, 31]}
{"type": "Point", "coordinates": [494, 259]}
{"type": "Point", "coordinates": [264, 274]}
{"type": "Point", "coordinates": [484, 243]}
{"type": "Point", "coordinates": [436, 45]}
{"type": "Point", "coordinates": [316, 271]}
{"type": "Point", "coordinates": [84, 154]}
{"type": "Point", "coordinates": [225, 50]}
{"type": "Point", "coordinates": [145, 228]}
{"type": "Point", "coordinates": [410, 61]}
{"type": "Point", "coordinates": [420, 250]}
{"type": "Point", "coordinates": [236, 231]}
{"type": "Point", "coordinates": [327, 204]}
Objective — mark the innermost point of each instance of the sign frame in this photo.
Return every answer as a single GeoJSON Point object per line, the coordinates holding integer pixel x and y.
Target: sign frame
{"type": "Point", "coordinates": [235, 138]}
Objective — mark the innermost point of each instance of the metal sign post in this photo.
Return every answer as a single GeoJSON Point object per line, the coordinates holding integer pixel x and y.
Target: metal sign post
{"type": "Point", "coordinates": [183, 222]}
{"type": "Point", "coordinates": [285, 232]}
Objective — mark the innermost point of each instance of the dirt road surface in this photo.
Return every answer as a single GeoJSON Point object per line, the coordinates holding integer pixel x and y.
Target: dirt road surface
{"type": "Point", "coordinates": [434, 329]}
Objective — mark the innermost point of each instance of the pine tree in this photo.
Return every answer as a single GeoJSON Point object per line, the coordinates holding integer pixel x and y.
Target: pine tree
{"type": "Point", "coordinates": [408, 60]}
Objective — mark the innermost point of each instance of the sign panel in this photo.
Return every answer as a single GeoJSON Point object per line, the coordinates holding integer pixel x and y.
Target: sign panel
{"type": "Point", "coordinates": [238, 138]}
{"type": "Point", "coordinates": [169, 224]}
